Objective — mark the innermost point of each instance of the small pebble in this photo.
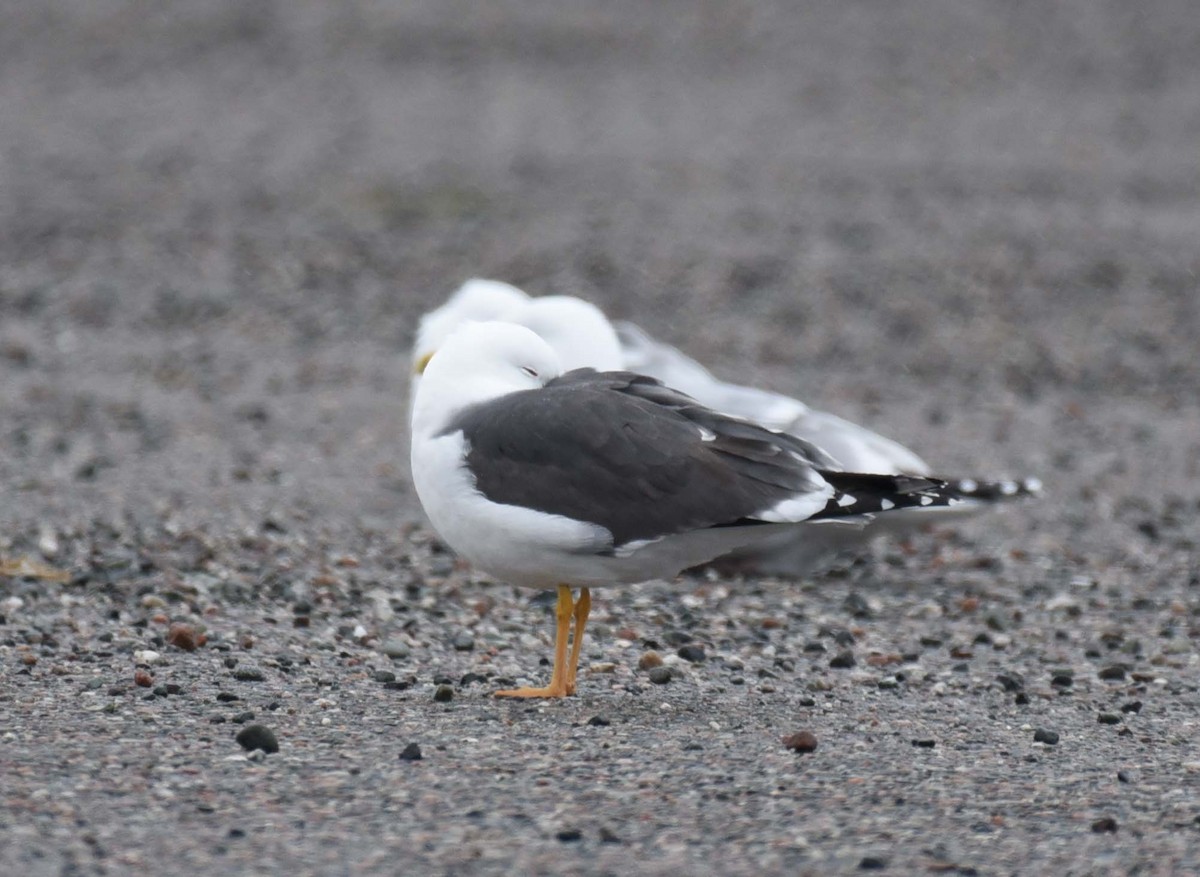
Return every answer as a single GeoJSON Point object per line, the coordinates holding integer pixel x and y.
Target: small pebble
{"type": "Point", "coordinates": [226, 697]}
{"type": "Point", "coordinates": [182, 636]}
{"type": "Point", "coordinates": [599, 722]}
{"type": "Point", "coordinates": [692, 653]}
{"type": "Point", "coordinates": [924, 743]}
{"type": "Point", "coordinates": [254, 737]}
{"type": "Point", "coordinates": [857, 605]}
{"type": "Point", "coordinates": [1134, 706]}
{"type": "Point", "coordinates": [842, 660]}
{"type": "Point", "coordinates": [608, 836]}
{"type": "Point", "coordinates": [649, 660]}
{"type": "Point", "coordinates": [660, 675]}
{"type": "Point", "coordinates": [1011, 681]}
{"type": "Point", "coordinates": [872, 863]}
{"type": "Point", "coordinates": [1108, 719]}
{"type": "Point", "coordinates": [1105, 825]}
{"type": "Point", "coordinates": [568, 835]}
{"type": "Point", "coordinates": [142, 678]}
{"type": "Point", "coordinates": [801, 741]}
{"type": "Point", "coordinates": [1062, 680]}
{"type": "Point", "coordinates": [384, 676]}
{"type": "Point", "coordinates": [1041, 735]}
{"type": "Point", "coordinates": [412, 752]}
{"type": "Point", "coordinates": [242, 718]}
{"type": "Point", "coordinates": [248, 674]}
{"type": "Point", "coordinates": [1114, 672]}
{"type": "Point", "coordinates": [396, 649]}
{"type": "Point", "coordinates": [464, 642]}
{"type": "Point", "coordinates": [443, 694]}
{"type": "Point", "coordinates": [1122, 776]}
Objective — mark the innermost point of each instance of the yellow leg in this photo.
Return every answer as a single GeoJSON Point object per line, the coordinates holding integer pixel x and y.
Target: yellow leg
{"type": "Point", "coordinates": [558, 680]}
{"type": "Point", "coordinates": [583, 606]}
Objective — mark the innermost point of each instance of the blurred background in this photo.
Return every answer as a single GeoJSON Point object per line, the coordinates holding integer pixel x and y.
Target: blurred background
{"type": "Point", "coordinates": [971, 225]}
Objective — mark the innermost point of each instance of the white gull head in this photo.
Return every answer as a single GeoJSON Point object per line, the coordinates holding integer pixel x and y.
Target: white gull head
{"type": "Point", "coordinates": [477, 299]}
{"type": "Point", "coordinates": [477, 363]}
{"type": "Point", "coordinates": [577, 330]}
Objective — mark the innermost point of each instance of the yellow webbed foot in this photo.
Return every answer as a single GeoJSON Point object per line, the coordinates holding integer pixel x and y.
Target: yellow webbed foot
{"type": "Point", "coordinates": [562, 681]}
{"type": "Point", "coordinates": [549, 691]}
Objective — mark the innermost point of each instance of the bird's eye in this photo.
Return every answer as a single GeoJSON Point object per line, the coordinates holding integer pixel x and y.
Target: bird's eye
{"type": "Point", "coordinates": [532, 372]}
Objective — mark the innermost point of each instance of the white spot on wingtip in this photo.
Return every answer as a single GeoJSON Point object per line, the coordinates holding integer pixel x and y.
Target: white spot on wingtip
{"type": "Point", "coordinates": [707, 435]}
{"type": "Point", "coordinates": [846, 499]}
{"type": "Point", "coordinates": [968, 485]}
{"type": "Point", "coordinates": [886, 504]}
{"type": "Point", "coordinates": [1033, 485]}
{"type": "Point", "coordinates": [1008, 488]}
{"type": "Point", "coordinates": [926, 500]}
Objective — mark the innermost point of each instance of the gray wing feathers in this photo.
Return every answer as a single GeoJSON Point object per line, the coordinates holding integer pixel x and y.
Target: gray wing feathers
{"type": "Point", "coordinates": [637, 458]}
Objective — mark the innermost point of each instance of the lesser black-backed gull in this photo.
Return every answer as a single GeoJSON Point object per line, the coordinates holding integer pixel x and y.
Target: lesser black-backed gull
{"type": "Point", "coordinates": [583, 479]}
{"type": "Point", "coordinates": [582, 336]}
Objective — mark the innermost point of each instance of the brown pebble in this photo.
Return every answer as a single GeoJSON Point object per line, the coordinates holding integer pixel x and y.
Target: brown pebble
{"type": "Point", "coordinates": [771, 624]}
{"type": "Point", "coordinates": [801, 741]}
{"type": "Point", "coordinates": [182, 636]}
{"type": "Point", "coordinates": [28, 660]}
{"type": "Point", "coordinates": [649, 660]}
{"type": "Point", "coordinates": [1105, 825]}
{"type": "Point", "coordinates": [142, 678]}
{"type": "Point", "coordinates": [247, 642]}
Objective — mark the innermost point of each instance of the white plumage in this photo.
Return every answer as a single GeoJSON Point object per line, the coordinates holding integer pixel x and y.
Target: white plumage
{"type": "Point", "coordinates": [581, 335]}
{"type": "Point", "coordinates": [583, 479]}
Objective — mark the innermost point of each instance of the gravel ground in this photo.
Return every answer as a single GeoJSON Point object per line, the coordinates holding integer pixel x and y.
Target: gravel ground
{"type": "Point", "coordinates": [970, 225]}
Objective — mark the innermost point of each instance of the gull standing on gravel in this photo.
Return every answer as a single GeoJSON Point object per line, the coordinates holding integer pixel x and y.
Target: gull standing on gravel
{"type": "Point", "coordinates": [584, 479]}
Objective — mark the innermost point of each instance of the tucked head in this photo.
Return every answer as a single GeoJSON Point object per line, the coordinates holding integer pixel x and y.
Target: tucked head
{"type": "Point", "coordinates": [577, 330]}
{"type": "Point", "coordinates": [476, 299]}
{"type": "Point", "coordinates": [479, 362]}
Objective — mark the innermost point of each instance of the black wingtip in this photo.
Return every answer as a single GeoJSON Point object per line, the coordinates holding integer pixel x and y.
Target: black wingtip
{"type": "Point", "coordinates": [863, 494]}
